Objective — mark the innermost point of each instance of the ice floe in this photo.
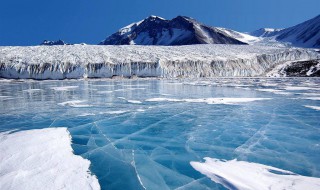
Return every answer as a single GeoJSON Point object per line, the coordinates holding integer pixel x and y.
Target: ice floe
{"type": "Point", "coordinates": [243, 175]}
{"type": "Point", "coordinates": [42, 159]}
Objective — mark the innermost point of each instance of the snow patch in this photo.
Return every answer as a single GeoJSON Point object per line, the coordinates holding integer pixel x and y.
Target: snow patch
{"type": "Point", "coordinates": [208, 100]}
{"type": "Point", "coordinates": [313, 107]}
{"type": "Point", "coordinates": [64, 88]}
{"type": "Point", "coordinates": [86, 114]}
{"type": "Point", "coordinates": [134, 101]}
{"type": "Point", "coordinates": [74, 103]}
{"type": "Point", "coordinates": [298, 88]}
{"type": "Point", "coordinates": [32, 90]}
{"type": "Point", "coordinates": [311, 98]}
{"type": "Point", "coordinates": [275, 91]}
{"type": "Point", "coordinates": [246, 38]}
{"type": "Point", "coordinates": [115, 112]}
{"type": "Point", "coordinates": [243, 175]}
{"type": "Point", "coordinates": [105, 92]}
{"type": "Point", "coordinates": [42, 159]}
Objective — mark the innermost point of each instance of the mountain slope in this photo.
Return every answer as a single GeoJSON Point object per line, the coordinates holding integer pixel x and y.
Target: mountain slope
{"type": "Point", "coordinates": [178, 31]}
{"type": "Point", "coordinates": [306, 34]}
{"type": "Point", "coordinates": [246, 38]}
{"type": "Point", "coordinates": [265, 32]}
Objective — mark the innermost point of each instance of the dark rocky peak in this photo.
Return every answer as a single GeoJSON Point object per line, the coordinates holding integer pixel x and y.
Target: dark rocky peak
{"type": "Point", "coordinates": [53, 43]}
{"type": "Point", "coordinates": [181, 30]}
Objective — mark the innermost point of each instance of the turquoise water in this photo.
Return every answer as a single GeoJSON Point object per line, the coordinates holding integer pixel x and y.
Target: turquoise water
{"type": "Point", "coordinates": [134, 143]}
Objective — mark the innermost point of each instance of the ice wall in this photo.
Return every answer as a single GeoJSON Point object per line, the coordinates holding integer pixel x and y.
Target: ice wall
{"type": "Point", "coordinates": [84, 61]}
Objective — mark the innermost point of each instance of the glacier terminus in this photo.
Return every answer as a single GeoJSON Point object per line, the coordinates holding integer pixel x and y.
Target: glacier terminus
{"type": "Point", "coordinates": [194, 61]}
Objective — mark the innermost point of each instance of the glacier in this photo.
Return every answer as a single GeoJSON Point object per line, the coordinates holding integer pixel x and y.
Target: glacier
{"type": "Point", "coordinates": [194, 61]}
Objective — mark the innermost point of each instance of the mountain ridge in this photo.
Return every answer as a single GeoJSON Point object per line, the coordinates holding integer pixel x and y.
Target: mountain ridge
{"type": "Point", "coordinates": [265, 32]}
{"type": "Point", "coordinates": [305, 34]}
{"type": "Point", "coordinates": [53, 43]}
{"type": "Point", "coordinates": [181, 30]}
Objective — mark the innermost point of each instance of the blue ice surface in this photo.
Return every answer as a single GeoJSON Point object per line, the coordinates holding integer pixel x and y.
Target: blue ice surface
{"type": "Point", "coordinates": [149, 145]}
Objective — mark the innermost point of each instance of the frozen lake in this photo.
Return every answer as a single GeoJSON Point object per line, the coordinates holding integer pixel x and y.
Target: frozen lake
{"type": "Point", "coordinates": [143, 134]}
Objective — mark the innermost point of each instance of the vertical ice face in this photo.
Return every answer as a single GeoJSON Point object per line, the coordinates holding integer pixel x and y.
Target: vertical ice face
{"type": "Point", "coordinates": [60, 62]}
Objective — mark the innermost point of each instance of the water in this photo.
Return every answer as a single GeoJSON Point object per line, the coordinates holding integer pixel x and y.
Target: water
{"type": "Point", "coordinates": [134, 143]}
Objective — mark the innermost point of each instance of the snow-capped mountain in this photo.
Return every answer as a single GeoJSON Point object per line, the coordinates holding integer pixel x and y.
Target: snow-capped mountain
{"type": "Point", "coordinates": [265, 32]}
{"type": "Point", "coordinates": [181, 30]}
{"type": "Point", "coordinates": [253, 40]}
{"type": "Point", "coordinates": [306, 34]}
{"type": "Point", "coordinates": [53, 43]}
{"type": "Point", "coordinates": [184, 30]}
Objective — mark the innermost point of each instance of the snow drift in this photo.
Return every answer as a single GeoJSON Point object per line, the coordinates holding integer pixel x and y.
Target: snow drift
{"type": "Point", "coordinates": [243, 175]}
{"type": "Point", "coordinates": [77, 61]}
{"type": "Point", "coordinates": [42, 159]}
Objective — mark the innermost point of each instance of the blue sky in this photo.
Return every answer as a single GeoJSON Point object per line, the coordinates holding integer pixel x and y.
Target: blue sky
{"type": "Point", "coordinates": [29, 22]}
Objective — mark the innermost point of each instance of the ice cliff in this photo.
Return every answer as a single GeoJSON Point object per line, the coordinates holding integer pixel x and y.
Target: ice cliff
{"type": "Point", "coordinates": [78, 61]}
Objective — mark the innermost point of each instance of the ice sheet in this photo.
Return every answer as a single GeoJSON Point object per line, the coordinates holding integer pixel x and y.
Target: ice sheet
{"type": "Point", "coordinates": [166, 136]}
{"type": "Point", "coordinates": [42, 159]}
{"type": "Point", "coordinates": [243, 175]}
